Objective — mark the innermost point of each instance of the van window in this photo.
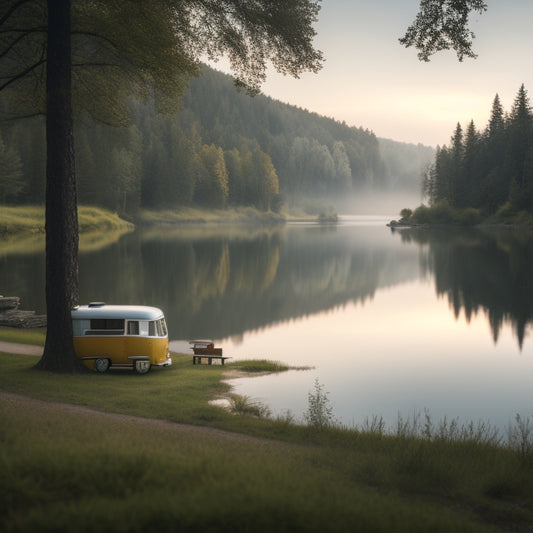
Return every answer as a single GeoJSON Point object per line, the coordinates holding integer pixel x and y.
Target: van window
{"type": "Point", "coordinates": [157, 328]}
{"type": "Point", "coordinates": [106, 326]}
{"type": "Point", "coordinates": [143, 328]}
{"type": "Point", "coordinates": [133, 327]}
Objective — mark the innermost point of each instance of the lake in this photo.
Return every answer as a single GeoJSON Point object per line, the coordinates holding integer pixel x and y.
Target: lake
{"type": "Point", "coordinates": [392, 322]}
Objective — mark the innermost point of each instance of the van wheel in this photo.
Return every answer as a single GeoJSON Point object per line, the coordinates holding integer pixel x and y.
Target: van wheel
{"type": "Point", "coordinates": [142, 367]}
{"type": "Point", "coordinates": [102, 364]}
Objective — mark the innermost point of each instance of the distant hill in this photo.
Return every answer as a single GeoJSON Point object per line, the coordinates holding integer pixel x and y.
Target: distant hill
{"type": "Point", "coordinates": [226, 115]}
{"type": "Point", "coordinates": [223, 148]}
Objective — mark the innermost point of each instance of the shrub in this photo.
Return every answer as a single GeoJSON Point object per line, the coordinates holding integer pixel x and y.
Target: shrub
{"type": "Point", "coordinates": [421, 215]}
{"type": "Point", "coordinates": [468, 217]}
{"type": "Point", "coordinates": [319, 412]}
{"type": "Point", "coordinates": [406, 213]}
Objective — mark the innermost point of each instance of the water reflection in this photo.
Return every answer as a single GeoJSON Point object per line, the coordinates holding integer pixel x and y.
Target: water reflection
{"type": "Point", "coordinates": [377, 314]}
{"type": "Point", "coordinates": [222, 282]}
{"type": "Point", "coordinates": [488, 270]}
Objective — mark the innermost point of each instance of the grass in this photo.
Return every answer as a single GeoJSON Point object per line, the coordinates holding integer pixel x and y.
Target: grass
{"type": "Point", "coordinates": [103, 472]}
{"type": "Point", "coordinates": [23, 336]}
{"type": "Point", "coordinates": [28, 220]}
{"type": "Point", "coordinates": [259, 365]}
{"type": "Point", "coordinates": [247, 215]}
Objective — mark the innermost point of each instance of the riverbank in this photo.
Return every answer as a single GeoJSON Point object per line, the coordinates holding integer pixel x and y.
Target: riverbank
{"type": "Point", "coordinates": [20, 221]}
{"type": "Point", "coordinates": [442, 214]}
{"type": "Point", "coordinates": [24, 221]}
{"type": "Point", "coordinates": [151, 451]}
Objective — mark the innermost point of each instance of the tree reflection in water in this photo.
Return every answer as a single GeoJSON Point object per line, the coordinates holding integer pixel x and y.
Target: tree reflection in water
{"type": "Point", "coordinates": [482, 269]}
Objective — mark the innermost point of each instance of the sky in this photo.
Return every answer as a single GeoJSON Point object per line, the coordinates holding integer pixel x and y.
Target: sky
{"type": "Point", "coordinates": [371, 81]}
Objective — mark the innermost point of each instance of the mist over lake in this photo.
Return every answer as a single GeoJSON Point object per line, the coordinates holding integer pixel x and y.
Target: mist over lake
{"type": "Point", "coordinates": [391, 322]}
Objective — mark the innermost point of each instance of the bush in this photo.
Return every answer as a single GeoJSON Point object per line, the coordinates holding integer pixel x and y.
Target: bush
{"type": "Point", "coordinates": [406, 213]}
{"type": "Point", "coordinates": [468, 217]}
{"type": "Point", "coordinates": [319, 412]}
{"type": "Point", "coordinates": [421, 215]}
{"type": "Point", "coordinates": [442, 213]}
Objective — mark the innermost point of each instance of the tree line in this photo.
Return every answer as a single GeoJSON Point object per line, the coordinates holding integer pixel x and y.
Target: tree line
{"type": "Point", "coordinates": [222, 148]}
{"type": "Point", "coordinates": [492, 170]}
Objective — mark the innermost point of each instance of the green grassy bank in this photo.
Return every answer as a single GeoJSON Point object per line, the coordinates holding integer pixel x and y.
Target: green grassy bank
{"type": "Point", "coordinates": [95, 469]}
{"type": "Point", "coordinates": [25, 220]}
{"type": "Point", "coordinates": [191, 215]}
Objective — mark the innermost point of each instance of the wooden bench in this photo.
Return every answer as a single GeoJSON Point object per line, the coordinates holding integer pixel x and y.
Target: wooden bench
{"type": "Point", "coordinates": [208, 352]}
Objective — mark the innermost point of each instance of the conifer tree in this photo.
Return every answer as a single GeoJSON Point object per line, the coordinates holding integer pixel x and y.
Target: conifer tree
{"type": "Point", "coordinates": [470, 168]}
{"type": "Point", "coordinates": [518, 147]}
{"type": "Point", "coordinates": [457, 189]}
{"type": "Point", "coordinates": [494, 184]}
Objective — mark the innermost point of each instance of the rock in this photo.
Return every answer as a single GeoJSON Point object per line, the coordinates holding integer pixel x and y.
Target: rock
{"type": "Point", "coordinates": [9, 302]}
{"type": "Point", "coordinates": [12, 316]}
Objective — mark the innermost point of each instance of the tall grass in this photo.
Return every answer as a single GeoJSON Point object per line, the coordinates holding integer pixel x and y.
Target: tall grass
{"type": "Point", "coordinates": [81, 471]}
{"type": "Point", "coordinates": [101, 471]}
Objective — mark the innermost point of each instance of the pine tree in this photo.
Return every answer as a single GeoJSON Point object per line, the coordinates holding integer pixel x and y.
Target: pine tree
{"type": "Point", "coordinates": [470, 168]}
{"type": "Point", "coordinates": [494, 183]}
{"type": "Point", "coordinates": [518, 147]}
{"type": "Point", "coordinates": [457, 185]}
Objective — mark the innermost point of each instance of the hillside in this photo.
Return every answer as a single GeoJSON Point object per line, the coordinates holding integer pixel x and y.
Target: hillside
{"type": "Point", "coordinates": [223, 148]}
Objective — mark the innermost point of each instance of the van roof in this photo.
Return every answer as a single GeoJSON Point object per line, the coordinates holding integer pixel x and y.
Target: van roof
{"type": "Point", "coordinates": [131, 312]}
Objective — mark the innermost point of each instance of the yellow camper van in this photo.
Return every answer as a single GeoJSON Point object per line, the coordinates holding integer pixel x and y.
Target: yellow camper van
{"type": "Point", "coordinates": [120, 336]}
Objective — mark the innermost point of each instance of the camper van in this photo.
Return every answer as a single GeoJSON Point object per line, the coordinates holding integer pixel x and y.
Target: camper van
{"type": "Point", "coordinates": [131, 336]}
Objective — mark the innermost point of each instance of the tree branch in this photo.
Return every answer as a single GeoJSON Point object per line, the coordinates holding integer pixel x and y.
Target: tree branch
{"type": "Point", "coordinates": [10, 46]}
{"type": "Point", "coordinates": [20, 75]}
{"type": "Point", "coordinates": [13, 8]}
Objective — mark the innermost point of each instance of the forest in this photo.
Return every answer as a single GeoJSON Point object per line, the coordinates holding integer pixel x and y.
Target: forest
{"type": "Point", "coordinates": [490, 171]}
{"type": "Point", "coordinates": [222, 148]}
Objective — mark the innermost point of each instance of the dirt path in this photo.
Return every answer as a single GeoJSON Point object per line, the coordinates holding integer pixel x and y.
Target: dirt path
{"type": "Point", "coordinates": [11, 398]}
{"type": "Point", "coordinates": [35, 404]}
{"type": "Point", "coordinates": [24, 349]}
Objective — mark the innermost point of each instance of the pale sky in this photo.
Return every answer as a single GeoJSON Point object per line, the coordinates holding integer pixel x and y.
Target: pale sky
{"type": "Point", "coordinates": [369, 80]}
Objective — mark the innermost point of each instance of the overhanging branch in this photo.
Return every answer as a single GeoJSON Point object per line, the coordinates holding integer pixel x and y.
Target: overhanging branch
{"type": "Point", "coordinates": [20, 75]}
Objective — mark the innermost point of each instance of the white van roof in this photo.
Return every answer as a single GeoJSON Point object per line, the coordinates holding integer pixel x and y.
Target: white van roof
{"type": "Point", "coordinates": [130, 312]}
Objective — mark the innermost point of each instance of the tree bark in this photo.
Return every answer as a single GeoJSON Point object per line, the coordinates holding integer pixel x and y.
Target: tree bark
{"type": "Point", "coordinates": [61, 202]}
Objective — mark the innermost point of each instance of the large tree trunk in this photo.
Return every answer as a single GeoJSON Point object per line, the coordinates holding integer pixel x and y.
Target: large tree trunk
{"type": "Point", "coordinates": [61, 202]}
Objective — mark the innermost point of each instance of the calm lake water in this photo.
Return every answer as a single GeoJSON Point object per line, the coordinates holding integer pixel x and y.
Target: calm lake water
{"type": "Point", "coordinates": [391, 322]}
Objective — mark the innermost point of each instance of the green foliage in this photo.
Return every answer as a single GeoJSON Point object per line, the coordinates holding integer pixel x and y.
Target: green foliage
{"type": "Point", "coordinates": [484, 171]}
{"type": "Point", "coordinates": [26, 336]}
{"type": "Point", "coordinates": [443, 25]}
{"type": "Point", "coordinates": [30, 219]}
{"type": "Point", "coordinates": [319, 412]}
{"type": "Point", "coordinates": [442, 213]}
{"type": "Point", "coordinates": [124, 48]}
{"type": "Point", "coordinates": [244, 405]}
{"type": "Point", "coordinates": [521, 437]}
{"type": "Point", "coordinates": [163, 161]}
{"type": "Point", "coordinates": [259, 365]}
{"type": "Point", "coordinates": [406, 213]}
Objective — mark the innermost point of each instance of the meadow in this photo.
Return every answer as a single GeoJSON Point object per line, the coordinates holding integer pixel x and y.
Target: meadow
{"type": "Point", "coordinates": [122, 452]}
